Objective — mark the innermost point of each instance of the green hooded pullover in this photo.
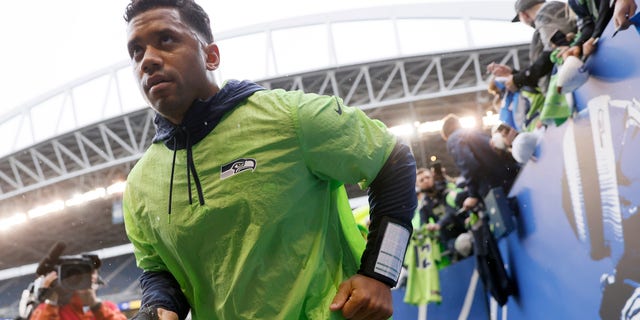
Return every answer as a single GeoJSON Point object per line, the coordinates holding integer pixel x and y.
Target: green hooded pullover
{"type": "Point", "coordinates": [270, 241]}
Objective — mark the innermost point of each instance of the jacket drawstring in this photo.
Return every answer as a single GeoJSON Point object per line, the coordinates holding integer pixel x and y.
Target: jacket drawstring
{"type": "Point", "coordinates": [191, 168]}
{"type": "Point", "coordinates": [189, 160]}
{"type": "Point", "coordinates": [198, 121]}
{"type": "Point", "coordinates": [173, 168]}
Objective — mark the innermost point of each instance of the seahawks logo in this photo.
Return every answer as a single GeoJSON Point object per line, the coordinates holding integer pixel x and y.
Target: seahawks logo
{"type": "Point", "coordinates": [236, 166]}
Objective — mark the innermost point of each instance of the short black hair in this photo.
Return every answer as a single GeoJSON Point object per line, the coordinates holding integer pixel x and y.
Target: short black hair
{"type": "Point", "coordinates": [190, 12]}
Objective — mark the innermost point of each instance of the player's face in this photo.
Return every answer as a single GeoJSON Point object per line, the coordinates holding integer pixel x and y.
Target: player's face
{"type": "Point", "coordinates": [171, 63]}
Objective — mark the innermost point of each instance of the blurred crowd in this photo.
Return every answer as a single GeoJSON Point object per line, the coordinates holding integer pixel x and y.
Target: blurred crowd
{"type": "Point", "coordinates": [451, 222]}
{"type": "Point", "coordinates": [540, 95]}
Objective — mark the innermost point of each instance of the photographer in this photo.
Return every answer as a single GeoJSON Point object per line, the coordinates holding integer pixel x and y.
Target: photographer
{"type": "Point", "coordinates": [62, 303]}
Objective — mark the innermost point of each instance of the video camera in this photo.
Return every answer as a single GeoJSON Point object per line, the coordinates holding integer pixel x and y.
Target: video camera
{"type": "Point", "coordinates": [439, 179]}
{"type": "Point", "coordinates": [438, 175]}
{"type": "Point", "coordinates": [74, 272]}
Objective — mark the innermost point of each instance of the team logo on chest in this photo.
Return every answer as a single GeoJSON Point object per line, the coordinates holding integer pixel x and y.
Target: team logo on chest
{"type": "Point", "coordinates": [236, 166]}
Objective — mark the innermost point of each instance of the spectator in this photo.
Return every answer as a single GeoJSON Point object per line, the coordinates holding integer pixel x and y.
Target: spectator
{"type": "Point", "coordinates": [518, 146]}
{"type": "Point", "coordinates": [438, 206]}
{"type": "Point", "coordinates": [84, 304]}
{"type": "Point", "coordinates": [431, 197]}
{"type": "Point", "coordinates": [506, 135]}
{"type": "Point", "coordinates": [266, 237]}
{"type": "Point", "coordinates": [546, 18]}
{"type": "Point", "coordinates": [482, 168]}
{"type": "Point", "coordinates": [524, 146]}
{"type": "Point", "coordinates": [557, 27]}
{"type": "Point", "coordinates": [592, 17]}
{"type": "Point", "coordinates": [430, 235]}
{"type": "Point", "coordinates": [519, 109]}
{"type": "Point", "coordinates": [555, 23]}
{"type": "Point", "coordinates": [424, 183]}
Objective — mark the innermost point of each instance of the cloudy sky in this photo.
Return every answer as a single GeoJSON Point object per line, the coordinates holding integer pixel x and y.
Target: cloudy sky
{"type": "Point", "coordinates": [50, 43]}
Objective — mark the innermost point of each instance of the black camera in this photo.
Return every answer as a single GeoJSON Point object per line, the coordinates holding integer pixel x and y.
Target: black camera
{"type": "Point", "coordinates": [437, 169]}
{"type": "Point", "coordinates": [74, 272]}
{"type": "Point", "coordinates": [560, 39]}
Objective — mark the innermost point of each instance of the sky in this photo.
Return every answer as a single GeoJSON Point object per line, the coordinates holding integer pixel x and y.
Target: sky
{"type": "Point", "coordinates": [50, 43]}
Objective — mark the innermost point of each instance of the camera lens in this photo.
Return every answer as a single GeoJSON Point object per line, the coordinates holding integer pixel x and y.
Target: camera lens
{"type": "Point", "coordinates": [75, 275]}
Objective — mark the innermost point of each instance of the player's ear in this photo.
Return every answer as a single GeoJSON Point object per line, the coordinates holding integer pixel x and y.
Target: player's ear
{"type": "Point", "coordinates": [212, 56]}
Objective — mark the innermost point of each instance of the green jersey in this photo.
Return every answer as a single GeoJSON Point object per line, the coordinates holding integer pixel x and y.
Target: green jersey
{"type": "Point", "coordinates": [270, 241]}
{"type": "Point", "coordinates": [423, 280]}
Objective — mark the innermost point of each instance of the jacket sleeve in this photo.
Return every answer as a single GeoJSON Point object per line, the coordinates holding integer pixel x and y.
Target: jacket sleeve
{"type": "Point", "coordinates": [466, 161]}
{"type": "Point", "coordinates": [585, 22]}
{"type": "Point", "coordinates": [605, 12]}
{"type": "Point", "coordinates": [530, 76]}
{"type": "Point", "coordinates": [392, 193]}
{"type": "Point", "coordinates": [341, 143]}
{"type": "Point", "coordinates": [160, 289]}
{"type": "Point", "coordinates": [391, 198]}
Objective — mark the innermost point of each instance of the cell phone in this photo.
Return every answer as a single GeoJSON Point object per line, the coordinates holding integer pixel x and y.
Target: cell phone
{"type": "Point", "coordinates": [560, 39]}
{"type": "Point", "coordinates": [437, 168]}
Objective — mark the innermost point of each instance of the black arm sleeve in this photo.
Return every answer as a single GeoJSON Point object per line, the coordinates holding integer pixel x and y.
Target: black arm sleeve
{"type": "Point", "coordinates": [391, 196]}
{"type": "Point", "coordinates": [586, 32]}
{"type": "Point", "coordinates": [530, 76]}
{"type": "Point", "coordinates": [160, 289]}
{"type": "Point", "coordinates": [585, 22]}
{"type": "Point", "coordinates": [605, 12]}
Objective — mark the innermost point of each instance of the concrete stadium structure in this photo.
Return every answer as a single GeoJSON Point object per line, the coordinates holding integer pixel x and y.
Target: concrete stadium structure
{"type": "Point", "coordinates": [89, 133]}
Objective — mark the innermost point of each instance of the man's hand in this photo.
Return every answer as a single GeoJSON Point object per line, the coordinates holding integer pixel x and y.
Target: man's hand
{"type": "Point", "coordinates": [589, 47]}
{"type": "Point", "coordinates": [575, 51]}
{"type": "Point", "coordinates": [470, 203]}
{"type": "Point", "coordinates": [49, 279]}
{"type": "Point", "coordinates": [148, 313]}
{"type": "Point", "coordinates": [499, 70]}
{"type": "Point", "coordinates": [623, 10]}
{"type": "Point", "coordinates": [433, 226]}
{"type": "Point", "coordinates": [363, 298]}
{"type": "Point", "coordinates": [509, 84]}
{"type": "Point", "coordinates": [164, 314]}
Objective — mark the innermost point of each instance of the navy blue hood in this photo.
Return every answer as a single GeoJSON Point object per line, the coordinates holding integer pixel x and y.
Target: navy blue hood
{"type": "Point", "coordinates": [202, 116]}
{"type": "Point", "coordinates": [199, 120]}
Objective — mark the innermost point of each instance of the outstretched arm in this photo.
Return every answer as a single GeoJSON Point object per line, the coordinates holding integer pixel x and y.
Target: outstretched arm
{"type": "Point", "coordinates": [624, 9]}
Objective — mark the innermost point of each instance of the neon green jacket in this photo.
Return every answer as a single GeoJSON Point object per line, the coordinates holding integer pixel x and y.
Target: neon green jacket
{"type": "Point", "coordinates": [269, 242]}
